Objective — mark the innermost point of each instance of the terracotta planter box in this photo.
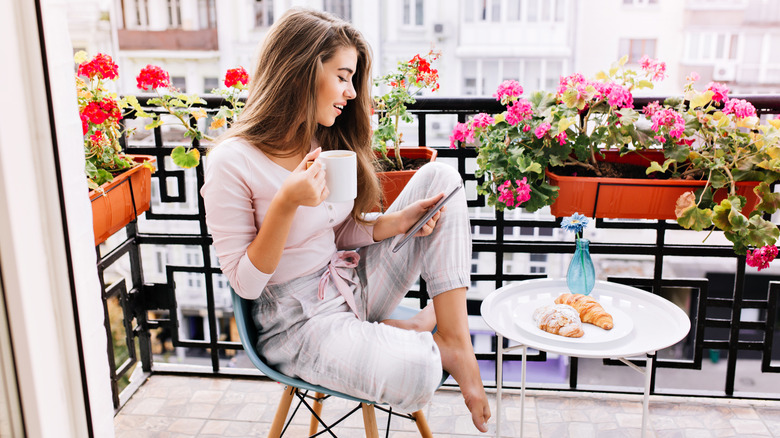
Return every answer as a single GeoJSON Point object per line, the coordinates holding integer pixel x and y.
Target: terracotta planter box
{"type": "Point", "coordinates": [122, 200]}
{"type": "Point", "coordinates": [629, 198]}
{"type": "Point", "coordinates": [395, 181]}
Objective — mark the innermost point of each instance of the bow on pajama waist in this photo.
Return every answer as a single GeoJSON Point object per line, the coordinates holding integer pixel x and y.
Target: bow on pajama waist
{"type": "Point", "coordinates": [339, 274]}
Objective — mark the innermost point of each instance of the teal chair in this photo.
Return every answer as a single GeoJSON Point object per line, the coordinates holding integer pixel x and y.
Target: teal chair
{"type": "Point", "coordinates": [242, 309]}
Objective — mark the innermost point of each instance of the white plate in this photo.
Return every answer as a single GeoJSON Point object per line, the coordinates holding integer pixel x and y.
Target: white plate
{"type": "Point", "coordinates": [623, 324]}
{"type": "Point", "coordinates": [657, 323]}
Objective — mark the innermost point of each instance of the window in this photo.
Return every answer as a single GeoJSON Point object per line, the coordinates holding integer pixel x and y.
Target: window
{"type": "Point", "coordinates": [210, 84]}
{"type": "Point", "coordinates": [207, 14]}
{"type": "Point", "coordinates": [711, 46]}
{"type": "Point", "coordinates": [174, 13]}
{"type": "Point", "coordinates": [413, 13]}
{"type": "Point", "coordinates": [179, 83]}
{"type": "Point", "coordinates": [640, 2]}
{"type": "Point", "coordinates": [264, 13]}
{"type": "Point", "coordinates": [138, 13]}
{"type": "Point", "coordinates": [636, 49]}
{"type": "Point", "coordinates": [481, 77]}
{"type": "Point", "coordinates": [341, 8]}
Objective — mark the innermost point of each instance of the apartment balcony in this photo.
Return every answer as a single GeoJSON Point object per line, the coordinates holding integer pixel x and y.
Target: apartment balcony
{"type": "Point", "coordinates": [177, 365]}
{"type": "Point", "coordinates": [169, 39]}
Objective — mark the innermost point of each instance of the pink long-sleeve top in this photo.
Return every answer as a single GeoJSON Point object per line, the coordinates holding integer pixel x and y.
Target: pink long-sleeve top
{"type": "Point", "coordinates": [240, 182]}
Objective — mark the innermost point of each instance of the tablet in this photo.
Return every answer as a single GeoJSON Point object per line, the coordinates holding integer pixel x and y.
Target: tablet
{"type": "Point", "coordinates": [425, 218]}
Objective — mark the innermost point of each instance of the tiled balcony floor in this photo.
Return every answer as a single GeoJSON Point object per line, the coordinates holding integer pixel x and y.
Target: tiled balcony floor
{"type": "Point", "coordinates": [182, 406]}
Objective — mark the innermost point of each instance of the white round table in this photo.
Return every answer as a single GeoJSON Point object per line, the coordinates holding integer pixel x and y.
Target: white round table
{"type": "Point", "coordinates": [644, 324]}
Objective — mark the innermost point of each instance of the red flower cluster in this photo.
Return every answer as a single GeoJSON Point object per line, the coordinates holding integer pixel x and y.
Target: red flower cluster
{"type": "Point", "coordinates": [152, 77]}
{"type": "Point", "coordinates": [424, 73]}
{"type": "Point", "coordinates": [98, 112]}
{"type": "Point", "coordinates": [101, 67]}
{"type": "Point", "coordinates": [236, 75]}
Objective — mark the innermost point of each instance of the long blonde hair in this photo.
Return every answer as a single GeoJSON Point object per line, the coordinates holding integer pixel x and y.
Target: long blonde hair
{"type": "Point", "coordinates": [279, 117]}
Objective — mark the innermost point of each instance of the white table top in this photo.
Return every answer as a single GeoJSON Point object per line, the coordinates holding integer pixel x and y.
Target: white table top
{"type": "Point", "coordinates": [644, 322]}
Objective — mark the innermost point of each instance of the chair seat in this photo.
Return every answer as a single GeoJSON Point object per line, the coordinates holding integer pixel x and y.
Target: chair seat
{"type": "Point", "coordinates": [242, 309]}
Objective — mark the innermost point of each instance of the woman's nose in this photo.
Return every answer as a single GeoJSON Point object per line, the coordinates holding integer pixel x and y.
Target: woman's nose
{"type": "Point", "coordinates": [350, 92]}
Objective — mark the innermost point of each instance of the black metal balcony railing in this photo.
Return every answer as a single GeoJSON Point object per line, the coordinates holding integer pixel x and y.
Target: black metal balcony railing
{"type": "Point", "coordinates": [150, 315]}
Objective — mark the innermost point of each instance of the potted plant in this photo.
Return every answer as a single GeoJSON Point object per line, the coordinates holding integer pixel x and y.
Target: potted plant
{"type": "Point", "coordinates": [688, 146]}
{"type": "Point", "coordinates": [120, 184]}
{"type": "Point", "coordinates": [396, 164]}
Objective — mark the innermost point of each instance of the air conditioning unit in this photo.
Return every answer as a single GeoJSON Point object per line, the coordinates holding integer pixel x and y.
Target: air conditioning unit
{"type": "Point", "coordinates": [440, 30]}
{"type": "Point", "coordinates": [724, 72]}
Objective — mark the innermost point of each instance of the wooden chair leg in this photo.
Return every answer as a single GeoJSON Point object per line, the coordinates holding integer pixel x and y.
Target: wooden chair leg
{"type": "Point", "coordinates": [422, 424]}
{"type": "Point", "coordinates": [317, 408]}
{"type": "Point", "coordinates": [281, 412]}
{"type": "Point", "coordinates": [369, 421]}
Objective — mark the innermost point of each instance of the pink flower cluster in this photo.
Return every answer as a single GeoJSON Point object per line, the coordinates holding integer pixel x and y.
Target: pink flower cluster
{"type": "Point", "coordinates": [101, 67]}
{"type": "Point", "coordinates": [655, 69]}
{"type": "Point", "coordinates": [576, 82]}
{"type": "Point", "coordinates": [761, 257]}
{"type": "Point", "coordinates": [542, 129]}
{"type": "Point", "coordinates": [508, 91]}
{"type": "Point", "coordinates": [461, 132]}
{"type": "Point", "coordinates": [519, 111]}
{"type": "Point", "coordinates": [617, 96]}
{"type": "Point", "coordinates": [514, 195]}
{"type": "Point", "coordinates": [740, 108]}
{"type": "Point", "coordinates": [482, 120]}
{"type": "Point", "coordinates": [721, 91]}
{"type": "Point", "coordinates": [669, 118]}
{"type": "Point", "coordinates": [152, 77]}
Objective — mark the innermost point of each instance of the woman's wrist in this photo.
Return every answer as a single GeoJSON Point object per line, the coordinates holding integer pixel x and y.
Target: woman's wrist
{"type": "Point", "coordinates": [388, 225]}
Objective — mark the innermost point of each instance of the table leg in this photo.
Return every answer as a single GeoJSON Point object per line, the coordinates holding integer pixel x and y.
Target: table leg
{"type": "Point", "coordinates": [499, 380]}
{"type": "Point", "coordinates": [522, 393]}
{"type": "Point", "coordinates": [646, 400]}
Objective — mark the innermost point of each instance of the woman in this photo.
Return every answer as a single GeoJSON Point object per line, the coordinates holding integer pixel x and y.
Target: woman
{"type": "Point", "coordinates": [321, 310]}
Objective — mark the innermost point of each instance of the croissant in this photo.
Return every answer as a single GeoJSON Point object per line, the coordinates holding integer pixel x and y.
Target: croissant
{"type": "Point", "coordinates": [560, 320]}
{"type": "Point", "coordinates": [590, 310]}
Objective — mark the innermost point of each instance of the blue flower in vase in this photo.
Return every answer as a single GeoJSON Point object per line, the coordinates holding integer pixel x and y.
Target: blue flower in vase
{"type": "Point", "coordinates": [581, 276]}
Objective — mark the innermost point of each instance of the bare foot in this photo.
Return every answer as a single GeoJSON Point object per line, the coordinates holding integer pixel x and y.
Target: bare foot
{"type": "Point", "coordinates": [457, 357]}
{"type": "Point", "coordinates": [423, 321]}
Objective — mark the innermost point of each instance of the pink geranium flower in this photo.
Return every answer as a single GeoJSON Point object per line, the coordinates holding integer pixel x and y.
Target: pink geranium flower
{"type": "Point", "coordinates": [512, 196]}
{"type": "Point", "coordinates": [508, 91]}
{"type": "Point", "coordinates": [542, 129]}
{"type": "Point", "coordinates": [519, 111]}
{"type": "Point", "coordinates": [671, 119]}
{"type": "Point", "coordinates": [761, 257]}
{"type": "Point", "coordinates": [740, 108]}
{"type": "Point", "coordinates": [655, 69]}
{"type": "Point", "coordinates": [721, 91]}
{"type": "Point", "coordinates": [482, 119]}
{"type": "Point", "coordinates": [461, 132]}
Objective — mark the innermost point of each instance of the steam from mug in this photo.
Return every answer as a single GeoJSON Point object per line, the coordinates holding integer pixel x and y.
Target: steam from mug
{"type": "Point", "coordinates": [340, 175]}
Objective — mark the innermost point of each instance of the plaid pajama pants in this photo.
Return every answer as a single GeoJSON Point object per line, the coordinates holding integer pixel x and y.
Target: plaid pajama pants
{"type": "Point", "coordinates": [322, 342]}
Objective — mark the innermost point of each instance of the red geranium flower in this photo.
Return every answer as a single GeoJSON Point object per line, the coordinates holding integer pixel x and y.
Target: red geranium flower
{"type": "Point", "coordinates": [101, 66]}
{"type": "Point", "coordinates": [236, 75]}
{"type": "Point", "coordinates": [152, 77]}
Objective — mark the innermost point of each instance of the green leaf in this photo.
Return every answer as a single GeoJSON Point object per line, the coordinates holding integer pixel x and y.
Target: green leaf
{"type": "Point", "coordinates": [186, 159]}
{"type": "Point", "coordinates": [694, 218]}
{"type": "Point", "coordinates": [720, 215]}
{"type": "Point", "coordinates": [770, 201]}
{"type": "Point", "coordinates": [155, 123]}
{"type": "Point", "coordinates": [761, 232]}
{"type": "Point", "coordinates": [655, 167]}
{"type": "Point", "coordinates": [699, 100]}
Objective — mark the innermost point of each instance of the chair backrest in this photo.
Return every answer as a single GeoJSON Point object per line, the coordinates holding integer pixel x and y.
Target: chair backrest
{"type": "Point", "coordinates": [242, 310]}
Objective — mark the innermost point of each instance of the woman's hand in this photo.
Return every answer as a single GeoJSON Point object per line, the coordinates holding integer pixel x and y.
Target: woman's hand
{"type": "Point", "coordinates": [413, 212]}
{"type": "Point", "coordinates": [399, 222]}
{"type": "Point", "coordinates": [306, 184]}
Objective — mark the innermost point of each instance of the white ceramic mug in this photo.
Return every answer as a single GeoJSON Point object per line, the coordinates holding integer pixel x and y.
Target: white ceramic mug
{"type": "Point", "coordinates": [340, 175]}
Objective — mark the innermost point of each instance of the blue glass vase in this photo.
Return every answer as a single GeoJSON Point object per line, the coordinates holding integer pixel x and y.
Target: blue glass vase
{"type": "Point", "coordinates": [581, 276]}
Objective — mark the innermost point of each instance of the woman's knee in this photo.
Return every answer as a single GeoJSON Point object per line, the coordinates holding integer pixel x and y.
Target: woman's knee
{"type": "Point", "coordinates": [435, 171]}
